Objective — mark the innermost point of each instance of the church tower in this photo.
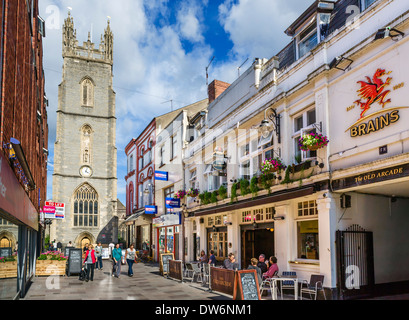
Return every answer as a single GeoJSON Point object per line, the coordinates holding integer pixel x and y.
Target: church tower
{"type": "Point", "coordinates": [85, 177]}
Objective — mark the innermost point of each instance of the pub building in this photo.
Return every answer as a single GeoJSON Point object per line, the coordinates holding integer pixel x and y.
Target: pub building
{"type": "Point", "coordinates": [23, 139]}
{"type": "Point", "coordinates": [337, 210]}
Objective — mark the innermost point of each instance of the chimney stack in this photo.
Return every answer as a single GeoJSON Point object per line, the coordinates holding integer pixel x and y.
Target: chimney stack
{"type": "Point", "coordinates": [215, 89]}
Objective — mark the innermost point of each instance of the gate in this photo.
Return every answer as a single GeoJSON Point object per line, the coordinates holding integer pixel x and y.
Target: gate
{"type": "Point", "coordinates": [355, 263]}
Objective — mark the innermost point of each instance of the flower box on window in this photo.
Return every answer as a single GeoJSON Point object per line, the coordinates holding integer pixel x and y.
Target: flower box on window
{"type": "Point", "coordinates": [272, 165]}
{"type": "Point", "coordinates": [312, 141]}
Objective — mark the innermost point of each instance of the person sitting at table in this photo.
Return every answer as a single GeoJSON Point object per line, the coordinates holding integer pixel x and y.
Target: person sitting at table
{"type": "Point", "coordinates": [273, 269]}
{"type": "Point", "coordinates": [253, 266]}
{"type": "Point", "coordinates": [230, 262]}
{"type": "Point", "coordinates": [262, 264]}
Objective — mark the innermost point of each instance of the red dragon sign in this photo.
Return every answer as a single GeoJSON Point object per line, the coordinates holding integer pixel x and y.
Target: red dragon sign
{"type": "Point", "coordinates": [373, 91]}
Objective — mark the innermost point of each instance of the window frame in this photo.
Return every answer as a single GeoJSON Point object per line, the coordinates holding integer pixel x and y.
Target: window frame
{"type": "Point", "coordinates": [306, 127]}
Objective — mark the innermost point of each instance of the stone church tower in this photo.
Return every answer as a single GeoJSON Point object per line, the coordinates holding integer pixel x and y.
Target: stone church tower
{"type": "Point", "coordinates": [85, 155]}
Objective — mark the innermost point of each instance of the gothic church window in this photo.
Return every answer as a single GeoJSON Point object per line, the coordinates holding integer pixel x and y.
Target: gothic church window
{"type": "Point", "coordinates": [85, 207]}
{"type": "Point", "coordinates": [87, 92]}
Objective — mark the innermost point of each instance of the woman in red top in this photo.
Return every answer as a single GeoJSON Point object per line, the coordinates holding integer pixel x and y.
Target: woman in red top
{"type": "Point", "coordinates": [89, 261]}
{"type": "Point", "coordinates": [273, 269]}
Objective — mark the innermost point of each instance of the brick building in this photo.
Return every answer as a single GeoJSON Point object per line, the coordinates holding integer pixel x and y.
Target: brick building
{"type": "Point", "coordinates": [23, 136]}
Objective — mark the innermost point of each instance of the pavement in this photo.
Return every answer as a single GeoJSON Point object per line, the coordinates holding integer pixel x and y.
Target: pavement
{"type": "Point", "coordinates": [146, 284]}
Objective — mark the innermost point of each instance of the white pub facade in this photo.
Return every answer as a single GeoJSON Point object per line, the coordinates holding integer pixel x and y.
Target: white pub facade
{"type": "Point", "coordinates": [339, 211]}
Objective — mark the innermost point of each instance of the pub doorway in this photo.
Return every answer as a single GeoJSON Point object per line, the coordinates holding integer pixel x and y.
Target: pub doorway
{"type": "Point", "coordinates": [256, 240]}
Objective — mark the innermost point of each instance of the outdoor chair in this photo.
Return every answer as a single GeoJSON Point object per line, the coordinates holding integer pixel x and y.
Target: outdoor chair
{"type": "Point", "coordinates": [268, 283]}
{"type": "Point", "coordinates": [313, 286]}
{"type": "Point", "coordinates": [197, 271]}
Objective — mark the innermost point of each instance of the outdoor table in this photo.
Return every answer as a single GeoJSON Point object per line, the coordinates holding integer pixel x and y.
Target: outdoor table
{"type": "Point", "coordinates": [274, 293]}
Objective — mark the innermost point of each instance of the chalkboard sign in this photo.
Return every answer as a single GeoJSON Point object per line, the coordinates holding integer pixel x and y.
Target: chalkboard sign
{"type": "Point", "coordinates": [176, 269]}
{"type": "Point", "coordinates": [5, 252]}
{"type": "Point", "coordinates": [246, 285]}
{"type": "Point", "coordinates": [164, 262]}
{"type": "Point", "coordinates": [67, 251]}
{"type": "Point", "coordinates": [74, 261]}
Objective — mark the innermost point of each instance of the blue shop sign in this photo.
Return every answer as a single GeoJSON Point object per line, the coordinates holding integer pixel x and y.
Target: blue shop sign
{"type": "Point", "coordinates": [151, 209]}
{"type": "Point", "coordinates": [161, 175]}
{"type": "Point", "coordinates": [172, 203]}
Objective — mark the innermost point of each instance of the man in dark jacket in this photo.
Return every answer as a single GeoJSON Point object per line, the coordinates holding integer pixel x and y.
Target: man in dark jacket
{"type": "Point", "coordinates": [262, 264]}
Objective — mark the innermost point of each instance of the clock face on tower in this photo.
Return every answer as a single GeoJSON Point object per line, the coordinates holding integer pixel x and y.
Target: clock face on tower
{"type": "Point", "coordinates": [86, 171]}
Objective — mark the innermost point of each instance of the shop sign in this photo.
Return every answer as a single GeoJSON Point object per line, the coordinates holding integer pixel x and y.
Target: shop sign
{"type": "Point", "coordinates": [13, 198]}
{"type": "Point", "coordinates": [172, 203]}
{"type": "Point", "coordinates": [373, 92]}
{"type": "Point", "coordinates": [151, 209]}
{"type": "Point", "coordinates": [49, 212]}
{"type": "Point", "coordinates": [372, 177]}
{"type": "Point", "coordinates": [161, 175]}
{"type": "Point", "coordinates": [59, 209]}
{"type": "Point", "coordinates": [166, 220]}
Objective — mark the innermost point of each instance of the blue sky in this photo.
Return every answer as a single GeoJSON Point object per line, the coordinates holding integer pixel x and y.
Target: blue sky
{"type": "Point", "coordinates": [161, 50]}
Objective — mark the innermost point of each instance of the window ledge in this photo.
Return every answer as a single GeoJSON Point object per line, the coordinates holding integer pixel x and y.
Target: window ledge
{"type": "Point", "coordinates": [305, 262]}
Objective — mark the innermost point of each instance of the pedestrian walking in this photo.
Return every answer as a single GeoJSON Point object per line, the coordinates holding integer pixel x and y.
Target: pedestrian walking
{"type": "Point", "coordinates": [130, 259]}
{"type": "Point", "coordinates": [69, 244]}
{"type": "Point", "coordinates": [89, 261]}
{"type": "Point", "coordinates": [116, 256]}
{"type": "Point", "coordinates": [98, 251]}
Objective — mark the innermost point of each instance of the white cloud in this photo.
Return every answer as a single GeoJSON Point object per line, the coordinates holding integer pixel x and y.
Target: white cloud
{"type": "Point", "coordinates": [151, 64]}
{"type": "Point", "coordinates": [257, 27]}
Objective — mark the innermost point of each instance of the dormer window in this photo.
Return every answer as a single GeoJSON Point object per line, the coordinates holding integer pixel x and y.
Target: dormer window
{"type": "Point", "coordinates": [366, 3]}
{"type": "Point", "coordinates": [311, 27]}
{"type": "Point", "coordinates": [307, 39]}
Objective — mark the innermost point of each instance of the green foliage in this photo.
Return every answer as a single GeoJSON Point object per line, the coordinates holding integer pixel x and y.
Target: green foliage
{"type": "Point", "coordinates": [223, 192]}
{"type": "Point", "coordinates": [233, 195]}
{"type": "Point", "coordinates": [254, 186]}
{"type": "Point", "coordinates": [207, 197]}
{"type": "Point", "coordinates": [244, 187]}
{"type": "Point", "coordinates": [213, 198]}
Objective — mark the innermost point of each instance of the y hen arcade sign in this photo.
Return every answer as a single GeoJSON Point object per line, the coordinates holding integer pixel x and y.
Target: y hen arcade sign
{"type": "Point", "coordinates": [374, 91]}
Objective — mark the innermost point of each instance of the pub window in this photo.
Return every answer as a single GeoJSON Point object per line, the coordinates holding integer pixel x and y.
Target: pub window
{"type": "Point", "coordinates": [303, 123]}
{"type": "Point", "coordinates": [210, 221]}
{"type": "Point", "coordinates": [217, 241]}
{"type": "Point", "coordinates": [246, 216]}
{"type": "Point", "coordinates": [270, 212]}
{"type": "Point", "coordinates": [85, 207]}
{"type": "Point", "coordinates": [258, 214]}
{"type": "Point", "coordinates": [169, 193]}
{"type": "Point", "coordinates": [307, 230]}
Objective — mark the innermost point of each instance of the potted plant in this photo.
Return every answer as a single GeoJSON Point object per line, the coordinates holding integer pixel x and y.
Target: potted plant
{"type": "Point", "coordinates": [51, 263]}
{"type": "Point", "coordinates": [8, 266]}
{"type": "Point", "coordinates": [180, 194]}
{"type": "Point", "coordinates": [193, 193]}
{"type": "Point", "coordinates": [271, 165]}
{"type": "Point", "coordinates": [233, 195]}
{"type": "Point", "coordinates": [213, 198]}
{"type": "Point", "coordinates": [312, 141]}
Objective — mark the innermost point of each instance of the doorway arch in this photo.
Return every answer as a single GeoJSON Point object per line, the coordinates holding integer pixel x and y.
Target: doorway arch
{"type": "Point", "coordinates": [83, 238]}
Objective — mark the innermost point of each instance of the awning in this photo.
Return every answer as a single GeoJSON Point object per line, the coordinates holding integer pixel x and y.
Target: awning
{"type": "Point", "coordinates": [135, 216]}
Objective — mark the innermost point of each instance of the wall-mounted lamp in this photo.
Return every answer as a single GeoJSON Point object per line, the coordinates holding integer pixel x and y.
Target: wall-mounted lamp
{"type": "Point", "coordinates": [389, 32]}
{"type": "Point", "coordinates": [279, 218]}
{"type": "Point", "coordinates": [270, 123]}
{"type": "Point", "coordinates": [214, 229]}
{"type": "Point", "coordinates": [340, 63]}
{"type": "Point", "coordinates": [233, 180]}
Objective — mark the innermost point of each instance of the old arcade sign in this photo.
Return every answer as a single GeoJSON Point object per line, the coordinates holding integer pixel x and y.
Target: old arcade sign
{"type": "Point", "coordinates": [373, 91]}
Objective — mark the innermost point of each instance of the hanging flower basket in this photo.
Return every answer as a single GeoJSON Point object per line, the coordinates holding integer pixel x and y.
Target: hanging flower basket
{"type": "Point", "coordinates": [271, 165]}
{"type": "Point", "coordinates": [312, 141]}
{"type": "Point", "coordinates": [180, 194]}
{"type": "Point", "coordinates": [193, 193]}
